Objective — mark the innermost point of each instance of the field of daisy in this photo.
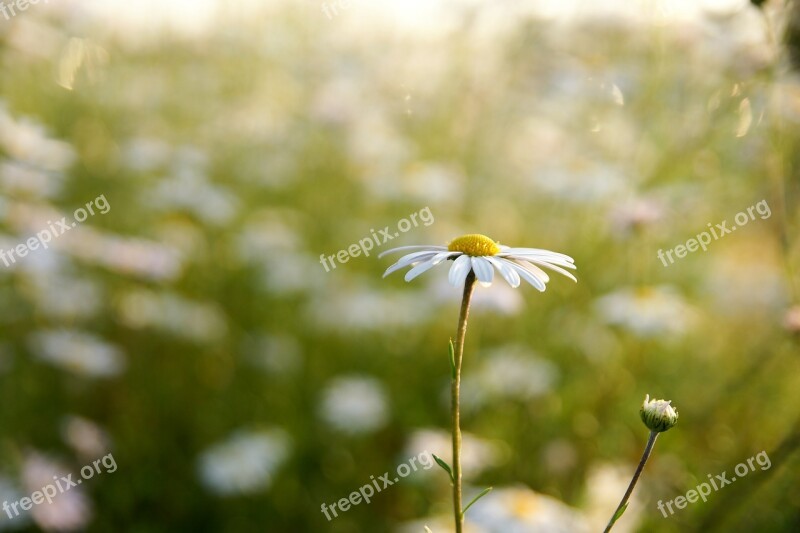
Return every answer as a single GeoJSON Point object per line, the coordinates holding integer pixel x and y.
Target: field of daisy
{"type": "Point", "coordinates": [196, 326]}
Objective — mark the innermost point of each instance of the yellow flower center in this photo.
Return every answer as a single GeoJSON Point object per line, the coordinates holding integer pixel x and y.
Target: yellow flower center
{"type": "Point", "coordinates": [474, 245]}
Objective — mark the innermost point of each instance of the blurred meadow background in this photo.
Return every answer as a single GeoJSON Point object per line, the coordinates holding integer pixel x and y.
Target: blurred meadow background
{"type": "Point", "coordinates": [193, 332]}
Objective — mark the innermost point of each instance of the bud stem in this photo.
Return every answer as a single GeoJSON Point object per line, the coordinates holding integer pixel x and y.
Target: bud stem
{"type": "Point", "coordinates": [651, 441]}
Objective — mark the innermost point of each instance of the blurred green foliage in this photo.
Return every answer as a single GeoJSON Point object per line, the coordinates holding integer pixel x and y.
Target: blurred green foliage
{"type": "Point", "coordinates": [274, 138]}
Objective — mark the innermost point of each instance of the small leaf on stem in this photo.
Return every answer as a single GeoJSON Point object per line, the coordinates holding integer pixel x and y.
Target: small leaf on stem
{"type": "Point", "coordinates": [444, 465]}
{"type": "Point", "coordinates": [619, 513]}
{"type": "Point", "coordinates": [483, 493]}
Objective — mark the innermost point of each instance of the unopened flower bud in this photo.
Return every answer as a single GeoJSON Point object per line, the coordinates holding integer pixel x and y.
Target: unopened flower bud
{"type": "Point", "coordinates": [658, 415]}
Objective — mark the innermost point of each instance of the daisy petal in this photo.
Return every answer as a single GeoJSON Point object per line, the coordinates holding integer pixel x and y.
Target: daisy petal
{"type": "Point", "coordinates": [506, 271]}
{"type": "Point", "coordinates": [408, 260]}
{"type": "Point", "coordinates": [441, 256]}
{"type": "Point", "coordinates": [429, 248]}
{"type": "Point", "coordinates": [528, 276]}
{"type": "Point", "coordinates": [419, 269]}
{"type": "Point", "coordinates": [536, 251]}
{"type": "Point", "coordinates": [459, 270]}
{"type": "Point", "coordinates": [555, 268]}
{"type": "Point", "coordinates": [483, 270]}
{"type": "Point", "coordinates": [535, 270]}
{"type": "Point", "coordinates": [539, 258]}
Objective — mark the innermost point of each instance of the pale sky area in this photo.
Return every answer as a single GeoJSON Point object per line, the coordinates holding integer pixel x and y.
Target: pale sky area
{"type": "Point", "coordinates": [194, 16]}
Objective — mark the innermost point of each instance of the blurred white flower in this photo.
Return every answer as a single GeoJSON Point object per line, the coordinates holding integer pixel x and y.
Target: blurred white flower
{"type": "Point", "coordinates": [129, 256]}
{"type": "Point", "coordinates": [354, 404]}
{"type": "Point", "coordinates": [605, 485]}
{"type": "Point", "coordinates": [580, 180]}
{"type": "Point", "coordinates": [145, 154]}
{"type": "Point", "coordinates": [271, 241]}
{"type": "Point", "coordinates": [437, 183]}
{"type": "Point", "coordinates": [521, 510]}
{"type": "Point", "coordinates": [278, 354]}
{"type": "Point", "coordinates": [10, 492]}
{"type": "Point", "coordinates": [559, 456]}
{"type": "Point", "coordinates": [63, 296]}
{"type": "Point", "coordinates": [33, 36]}
{"type": "Point", "coordinates": [338, 101]}
{"type": "Point", "coordinates": [169, 312]}
{"type": "Point", "coordinates": [477, 454]}
{"type": "Point", "coordinates": [244, 463]}
{"type": "Point", "coordinates": [78, 352]}
{"type": "Point", "coordinates": [41, 266]}
{"type": "Point", "coordinates": [291, 272]}
{"type": "Point", "coordinates": [85, 437]}
{"type": "Point", "coordinates": [264, 233]}
{"type": "Point", "coordinates": [647, 311]}
{"type": "Point", "coordinates": [190, 191]}
{"type": "Point", "coordinates": [508, 372]}
{"type": "Point", "coordinates": [70, 510]}
{"type": "Point", "coordinates": [376, 146]}
{"type": "Point", "coordinates": [510, 510]}
{"type": "Point", "coordinates": [729, 280]}
{"type": "Point", "coordinates": [635, 214]}
{"type": "Point", "coordinates": [361, 308]}
{"type": "Point", "coordinates": [18, 178]}
{"type": "Point", "coordinates": [27, 141]}
{"type": "Point", "coordinates": [734, 35]}
{"type": "Point", "coordinates": [791, 319]}
{"type": "Point", "coordinates": [186, 236]}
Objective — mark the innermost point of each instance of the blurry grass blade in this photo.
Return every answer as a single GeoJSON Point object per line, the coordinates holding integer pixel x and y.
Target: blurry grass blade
{"type": "Point", "coordinates": [483, 493]}
{"type": "Point", "coordinates": [745, 118]}
{"type": "Point", "coordinates": [80, 54]}
{"type": "Point", "coordinates": [444, 465]}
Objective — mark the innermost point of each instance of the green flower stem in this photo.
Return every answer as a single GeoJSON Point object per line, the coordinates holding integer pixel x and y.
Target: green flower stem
{"type": "Point", "coordinates": [455, 389]}
{"type": "Point", "coordinates": [647, 450]}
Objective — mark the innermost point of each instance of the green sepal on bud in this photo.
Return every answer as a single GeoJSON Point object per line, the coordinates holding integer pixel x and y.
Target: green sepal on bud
{"type": "Point", "coordinates": [658, 415]}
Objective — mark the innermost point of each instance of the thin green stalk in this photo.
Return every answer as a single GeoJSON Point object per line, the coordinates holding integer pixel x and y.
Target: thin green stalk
{"type": "Point", "coordinates": [455, 389]}
{"type": "Point", "coordinates": [624, 502]}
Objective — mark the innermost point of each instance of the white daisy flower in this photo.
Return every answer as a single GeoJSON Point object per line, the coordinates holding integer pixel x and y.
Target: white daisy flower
{"type": "Point", "coordinates": [479, 253]}
{"type": "Point", "coordinates": [245, 463]}
{"type": "Point", "coordinates": [355, 405]}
